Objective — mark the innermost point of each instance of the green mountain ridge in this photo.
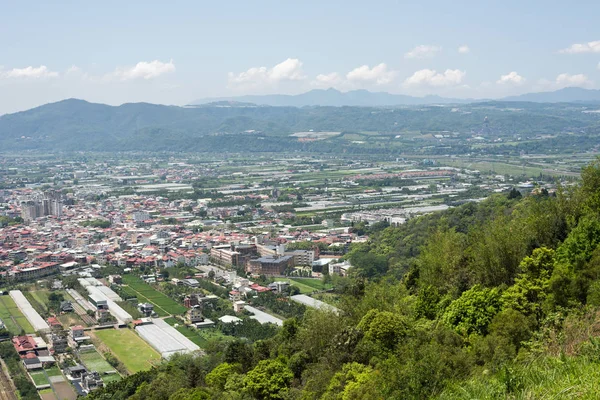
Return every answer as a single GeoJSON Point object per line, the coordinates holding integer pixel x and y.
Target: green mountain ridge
{"type": "Point", "coordinates": [79, 125]}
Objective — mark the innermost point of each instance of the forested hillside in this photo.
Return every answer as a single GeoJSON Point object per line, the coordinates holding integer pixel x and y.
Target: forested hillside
{"type": "Point", "coordinates": [493, 300]}
{"type": "Point", "coordinates": [76, 125]}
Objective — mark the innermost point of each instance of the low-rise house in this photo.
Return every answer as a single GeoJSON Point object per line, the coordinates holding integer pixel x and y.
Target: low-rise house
{"type": "Point", "coordinates": [91, 381]}
{"type": "Point", "coordinates": [32, 363]}
{"type": "Point", "coordinates": [194, 315]}
{"type": "Point", "coordinates": [59, 343]}
{"type": "Point", "coordinates": [78, 333]}
{"type": "Point", "coordinates": [146, 309]}
{"type": "Point", "coordinates": [66, 306]}
{"type": "Point", "coordinates": [238, 306]}
{"type": "Point", "coordinates": [75, 372]}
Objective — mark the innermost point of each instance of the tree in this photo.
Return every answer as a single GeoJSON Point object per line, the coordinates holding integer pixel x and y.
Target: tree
{"type": "Point", "coordinates": [217, 378]}
{"type": "Point", "coordinates": [354, 381]}
{"type": "Point", "coordinates": [514, 194]}
{"type": "Point", "coordinates": [532, 286]}
{"type": "Point", "coordinates": [473, 311]}
{"type": "Point", "coordinates": [268, 379]}
{"type": "Point", "coordinates": [384, 328]}
{"type": "Point", "coordinates": [442, 262]}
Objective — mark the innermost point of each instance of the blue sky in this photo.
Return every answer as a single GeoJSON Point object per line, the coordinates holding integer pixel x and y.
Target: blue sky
{"type": "Point", "coordinates": [178, 51]}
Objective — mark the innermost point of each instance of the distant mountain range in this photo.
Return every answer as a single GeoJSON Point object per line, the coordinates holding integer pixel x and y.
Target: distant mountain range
{"type": "Point", "coordinates": [335, 98]}
{"type": "Point", "coordinates": [566, 95]}
{"type": "Point", "coordinates": [364, 98]}
{"type": "Point", "coordinates": [74, 125]}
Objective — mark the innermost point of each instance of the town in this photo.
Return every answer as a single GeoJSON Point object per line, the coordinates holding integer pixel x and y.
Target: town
{"type": "Point", "coordinates": [110, 264]}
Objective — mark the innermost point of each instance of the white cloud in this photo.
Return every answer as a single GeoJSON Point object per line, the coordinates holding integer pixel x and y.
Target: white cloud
{"type": "Point", "coordinates": [577, 48]}
{"type": "Point", "coordinates": [511, 78]}
{"type": "Point", "coordinates": [327, 80]}
{"type": "Point", "coordinates": [73, 69]}
{"type": "Point", "coordinates": [429, 77]}
{"type": "Point", "coordinates": [423, 51]}
{"type": "Point", "coordinates": [379, 74]}
{"type": "Point", "coordinates": [30, 72]}
{"type": "Point", "coordinates": [464, 49]}
{"type": "Point", "coordinates": [288, 70]}
{"type": "Point", "coordinates": [144, 70]}
{"type": "Point", "coordinates": [578, 80]}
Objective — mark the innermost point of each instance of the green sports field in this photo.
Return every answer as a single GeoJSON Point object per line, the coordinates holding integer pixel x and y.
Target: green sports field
{"type": "Point", "coordinates": [12, 317]}
{"type": "Point", "coordinates": [129, 348]}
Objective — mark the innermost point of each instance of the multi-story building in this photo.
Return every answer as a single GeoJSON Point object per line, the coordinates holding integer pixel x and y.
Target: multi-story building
{"type": "Point", "coordinates": [223, 255]}
{"type": "Point", "coordinates": [270, 265]}
{"type": "Point", "coordinates": [302, 257]}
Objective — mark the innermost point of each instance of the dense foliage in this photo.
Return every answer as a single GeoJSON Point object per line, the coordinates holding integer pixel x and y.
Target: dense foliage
{"type": "Point", "coordinates": [493, 300]}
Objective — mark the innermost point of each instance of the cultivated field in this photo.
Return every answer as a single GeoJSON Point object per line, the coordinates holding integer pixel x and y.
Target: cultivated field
{"type": "Point", "coordinates": [200, 337]}
{"type": "Point", "coordinates": [39, 378]}
{"type": "Point", "coordinates": [145, 293]}
{"type": "Point", "coordinates": [12, 317]}
{"type": "Point", "coordinates": [95, 362]}
{"type": "Point", "coordinates": [316, 284]}
{"type": "Point", "coordinates": [129, 348]}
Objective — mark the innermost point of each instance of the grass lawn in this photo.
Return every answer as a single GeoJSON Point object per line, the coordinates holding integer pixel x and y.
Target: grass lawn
{"type": "Point", "coordinates": [163, 305]}
{"type": "Point", "coordinates": [314, 283]}
{"type": "Point", "coordinates": [53, 371]}
{"type": "Point", "coordinates": [304, 289]}
{"type": "Point", "coordinates": [111, 378]}
{"type": "Point", "coordinates": [12, 317]}
{"type": "Point", "coordinates": [41, 296]}
{"type": "Point", "coordinates": [71, 319]}
{"type": "Point", "coordinates": [39, 378]}
{"type": "Point", "coordinates": [95, 362]}
{"type": "Point", "coordinates": [129, 348]}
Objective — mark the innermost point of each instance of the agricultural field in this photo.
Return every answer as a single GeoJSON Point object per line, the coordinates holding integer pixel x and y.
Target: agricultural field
{"type": "Point", "coordinates": [47, 394]}
{"type": "Point", "coordinates": [95, 362]}
{"type": "Point", "coordinates": [316, 284]}
{"type": "Point", "coordinates": [129, 348]}
{"type": "Point", "coordinates": [39, 378]}
{"type": "Point", "coordinates": [145, 293]}
{"type": "Point", "coordinates": [200, 337]}
{"type": "Point", "coordinates": [12, 317]}
{"type": "Point", "coordinates": [53, 371]}
{"type": "Point", "coordinates": [307, 285]}
{"type": "Point", "coordinates": [70, 319]}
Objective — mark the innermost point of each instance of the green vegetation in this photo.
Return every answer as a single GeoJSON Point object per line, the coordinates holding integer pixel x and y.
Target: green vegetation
{"type": "Point", "coordinates": [13, 318]}
{"type": "Point", "coordinates": [491, 300]}
{"type": "Point", "coordinates": [17, 372]}
{"type": "Point", "coordinates": [316, 284]}
{"type": "Point", "coordinates": [95, 362]}
{"type": "Point", "coordinates": [78, 125]}
{"type": "Point", "coordinates": [96, 223]}
{"type": "Point", "coordinates": [129, 348]}
{"type": "Point", "coordinates": [53, 371]}
{"type": "Point", "coordinates": [39, 378]}
{"type": "Point", "coordinates": [145, 293]}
